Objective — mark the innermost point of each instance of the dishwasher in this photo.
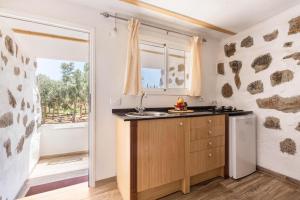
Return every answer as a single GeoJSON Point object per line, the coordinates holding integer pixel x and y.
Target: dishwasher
{"type": "Point", "coordinates": [242, 145]}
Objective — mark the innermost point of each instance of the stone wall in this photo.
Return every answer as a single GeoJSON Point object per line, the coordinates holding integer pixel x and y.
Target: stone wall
{"type": "Point", "coordinates": [19, 115]}
{"type": "Point", "coordinates": [262, 67]}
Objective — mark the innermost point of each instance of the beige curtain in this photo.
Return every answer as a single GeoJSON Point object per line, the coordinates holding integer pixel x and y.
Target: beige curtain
{"type": "Point", "coordinates": [132, 84]}
{"type": "Point", "coordinates": [195, 81]}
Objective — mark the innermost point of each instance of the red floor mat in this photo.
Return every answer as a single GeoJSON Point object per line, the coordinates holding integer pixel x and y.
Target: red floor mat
{"type": "Point", "coordinates": [56, 185]}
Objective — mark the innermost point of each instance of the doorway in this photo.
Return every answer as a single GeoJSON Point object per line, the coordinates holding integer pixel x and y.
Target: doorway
{"type": "Point", "coordinates": [65, 68]}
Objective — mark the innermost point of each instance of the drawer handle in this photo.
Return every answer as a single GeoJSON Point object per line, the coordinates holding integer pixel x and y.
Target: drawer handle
{"type": "Point", "coordinates": [210, 155]}
{"type": "Point", "coordinates": [180, 123]}
{"type": "Point", "coordinates": [209, 132]}
{"type": "Point", "coordinates": [209, 143]}
{"type": "Point", "coordinates": [209, 121]}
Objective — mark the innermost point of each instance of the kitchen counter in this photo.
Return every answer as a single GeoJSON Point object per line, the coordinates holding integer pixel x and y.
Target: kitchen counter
{"type": "Point", "coordinates": [198, 112]}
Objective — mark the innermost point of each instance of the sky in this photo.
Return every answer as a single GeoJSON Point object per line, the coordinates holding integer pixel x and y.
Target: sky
{"type": "Point", "coordinates": [51, 67]}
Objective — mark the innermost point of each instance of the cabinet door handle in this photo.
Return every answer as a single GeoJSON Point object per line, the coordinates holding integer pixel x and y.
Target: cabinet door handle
{"type": "Point", "coordinates": [209, 132]}
{"type": "Point", "coordinates": [209, 143]}
{"type": "Point", "coordinates": [210, 155]}
{"type": "Point", "coordinates": [180, 123]}
{"type": "Point", "coordinates": [209, 121]}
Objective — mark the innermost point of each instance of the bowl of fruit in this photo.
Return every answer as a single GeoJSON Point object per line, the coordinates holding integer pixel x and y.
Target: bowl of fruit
{"type": "Point", "coordinates": [181, 105]}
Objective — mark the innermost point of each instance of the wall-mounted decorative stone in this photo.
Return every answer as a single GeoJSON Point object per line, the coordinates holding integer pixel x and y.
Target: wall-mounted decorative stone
{"type": "Point", "coordinates": [229, 49]}
{"type": "Point", "coordinates": [295, 56]}
{"type": "Point", "coordinates": [236, 66]}
{"type": "Point", "coordinates": [255, 87]}
{"type": "Point", "coordinates": [171, 69]}
{"type": "Point", "coordinates": [20, 87]}
{"type": "Point", "coordinates": [298, 127]}
{"type": "Point", "coordinates": [279, 77]}
{"type": "Point", "coordinates": [262, 62]}
{"type": "Point", "coordinates": [288, 44]}
{"type": "Point", "coordinates": [227, 90]}
{"type": "Point", "coordinates": [23, 104]}
{"type": "Point", "coordinates": [287, 105]}
{"type": "Point", "coordinates": [4, 58]}
{"type": "Point", "coordinates": [6, 120]}
{"type": "Point", "coordinates": [18, 118]}
{"type": "Point", "coordinates": [220, 68]}
{"type": "Point", "coordinates": [17, 50]}
{"type": "Point", "coordinates": [9, 44]}
{"type": "Point", "coordinates": [271, 36]}
{"type": "Point", "coordinates": [288, 146]}
{"type": "Point", "coordinates": [294, 25]}
{"type": "Point", "coordinates": [27, 61]}
{"type": "Point", "coordinates": [11, 99]}
{"type": "Point", "coordinates": [7, 146]}
{"type": "Point", "coordinates": [29, 129]}
{"type": "Point", "coordinates": [32, 110]}
{"type": "Point", "coordinates": [181, 68]}
{"type": "Point", "coordinates": [20, 144]}
{"type": "Point", "coordinates": [247, 42]}
{"type": "Point", "coordinates": [272, 123]}
{"type": "Point", "coordinates": [237, 81]}
{"type": "Point", "coordinates": [17, 71]}
{"type": "Point", "coordinates": [25, 119]}
{"type": "Point", "coordinates": [178, 81]}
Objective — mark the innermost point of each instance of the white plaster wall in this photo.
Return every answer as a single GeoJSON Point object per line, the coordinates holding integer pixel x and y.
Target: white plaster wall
{"type": "Point", "coordinates": [110, 69]}
{"type": "Point", "coordinates": [15, 169]}
{"type": "Point", "coordinates": [63, 138]}
{"type": "Point", "coordinates": [269, 155]}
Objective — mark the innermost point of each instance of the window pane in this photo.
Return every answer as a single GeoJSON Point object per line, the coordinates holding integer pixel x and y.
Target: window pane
{"type": "Point", "coordinates": [176, 69]}
{"type": "Point", "coordinates": [153, 66]}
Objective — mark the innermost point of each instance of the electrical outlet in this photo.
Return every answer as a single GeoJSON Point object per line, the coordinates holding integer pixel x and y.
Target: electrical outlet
{"type": "Point", "coordinates": [115, 101]}
{"type": "Point", "coordinates": [201, 99]}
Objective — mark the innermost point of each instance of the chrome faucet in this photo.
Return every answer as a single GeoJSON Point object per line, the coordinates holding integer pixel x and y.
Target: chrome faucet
{"type": "Point", "coordinates": [141, 108]}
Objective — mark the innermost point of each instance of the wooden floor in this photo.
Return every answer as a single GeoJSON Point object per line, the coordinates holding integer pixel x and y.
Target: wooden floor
{"type": "Point", "coordinates": [258, 186]}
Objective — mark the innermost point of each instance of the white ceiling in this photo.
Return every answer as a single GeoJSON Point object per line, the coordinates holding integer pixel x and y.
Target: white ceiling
{"type": "Point", "coordinates": [234, 15]}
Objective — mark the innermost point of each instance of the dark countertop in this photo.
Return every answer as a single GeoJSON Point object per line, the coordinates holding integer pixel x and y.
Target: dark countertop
{"type": "Point", "coordinates": [198, 111]}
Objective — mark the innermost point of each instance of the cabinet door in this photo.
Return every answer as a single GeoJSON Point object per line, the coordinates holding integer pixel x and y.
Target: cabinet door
{"type": "Point", "coordinates": [206, 160]}
{"type": "Point", "coordinates": [160, 152]}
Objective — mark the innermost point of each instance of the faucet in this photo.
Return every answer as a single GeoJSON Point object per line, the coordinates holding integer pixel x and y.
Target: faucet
{"type": "Point", "coordinates": [141, 108]}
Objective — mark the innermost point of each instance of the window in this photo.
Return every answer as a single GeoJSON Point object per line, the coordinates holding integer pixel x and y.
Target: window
{"type": "Point", "coordinates": [164, 69]}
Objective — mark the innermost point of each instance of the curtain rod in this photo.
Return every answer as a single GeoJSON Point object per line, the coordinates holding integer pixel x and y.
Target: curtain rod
{"type": "Point", "coordinates": [107, 15]}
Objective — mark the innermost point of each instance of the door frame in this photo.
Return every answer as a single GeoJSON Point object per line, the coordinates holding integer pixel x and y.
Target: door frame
{"type": "Point", "coordinates": [92, 79]}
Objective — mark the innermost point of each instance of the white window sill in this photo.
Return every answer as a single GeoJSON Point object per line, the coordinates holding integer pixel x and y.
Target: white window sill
{"type": "Point", "coordinates": [66, 125]}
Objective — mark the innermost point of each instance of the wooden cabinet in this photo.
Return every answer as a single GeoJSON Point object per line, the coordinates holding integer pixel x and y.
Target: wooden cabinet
{"type": "Point", "coordinates": [160, 152]}
{"type": "Point", "coordinates": [167, 155]}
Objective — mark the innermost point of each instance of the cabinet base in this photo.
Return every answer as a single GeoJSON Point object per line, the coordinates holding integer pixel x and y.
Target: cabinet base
{"type": "Point", "coordinates": [207, 175]}
{"type": "Point", "coordinates": [161, 191]}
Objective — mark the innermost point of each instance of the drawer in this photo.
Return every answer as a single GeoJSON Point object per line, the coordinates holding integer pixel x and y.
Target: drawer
{"type": "Point", "coordinates": [206, 160]}
{"type": "Point", "coordinates": [205, 127]}
{"type": "Point", "coordinates": [208, 143]}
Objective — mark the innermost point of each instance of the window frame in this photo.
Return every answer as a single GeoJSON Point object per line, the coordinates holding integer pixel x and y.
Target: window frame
{"type": "Point", "coordinates": [166, 90]}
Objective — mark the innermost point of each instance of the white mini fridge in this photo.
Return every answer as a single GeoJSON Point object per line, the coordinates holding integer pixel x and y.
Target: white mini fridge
{"type": "Point", "coordinates": [242, 145]}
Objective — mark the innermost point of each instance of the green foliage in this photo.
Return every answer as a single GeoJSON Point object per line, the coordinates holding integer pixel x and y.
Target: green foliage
{"type": "Point", "coordinates": [66, 95]}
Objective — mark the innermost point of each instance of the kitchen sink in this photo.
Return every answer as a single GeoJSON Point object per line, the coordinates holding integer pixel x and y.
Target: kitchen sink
{"type": "Point", "coordinates": [147, 114]}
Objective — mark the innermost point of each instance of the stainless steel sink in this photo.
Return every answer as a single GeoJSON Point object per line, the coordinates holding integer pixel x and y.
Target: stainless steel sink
{"type": "Point", "coordinates": [147, 114]}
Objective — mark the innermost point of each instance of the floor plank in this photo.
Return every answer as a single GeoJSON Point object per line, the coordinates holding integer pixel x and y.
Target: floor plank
{"type": "Point", "coordinates": [258, 186]}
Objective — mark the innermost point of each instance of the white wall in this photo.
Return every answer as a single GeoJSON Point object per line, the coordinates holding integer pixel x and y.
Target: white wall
{"type": "Point", "coordinates": [19, 158]}
{"type": "Point", "coordinates": [63, 138]}
{"type": "Point", "coordinates": [269, 154]}
{"type": "Point", "coordinates": [110, 69]}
